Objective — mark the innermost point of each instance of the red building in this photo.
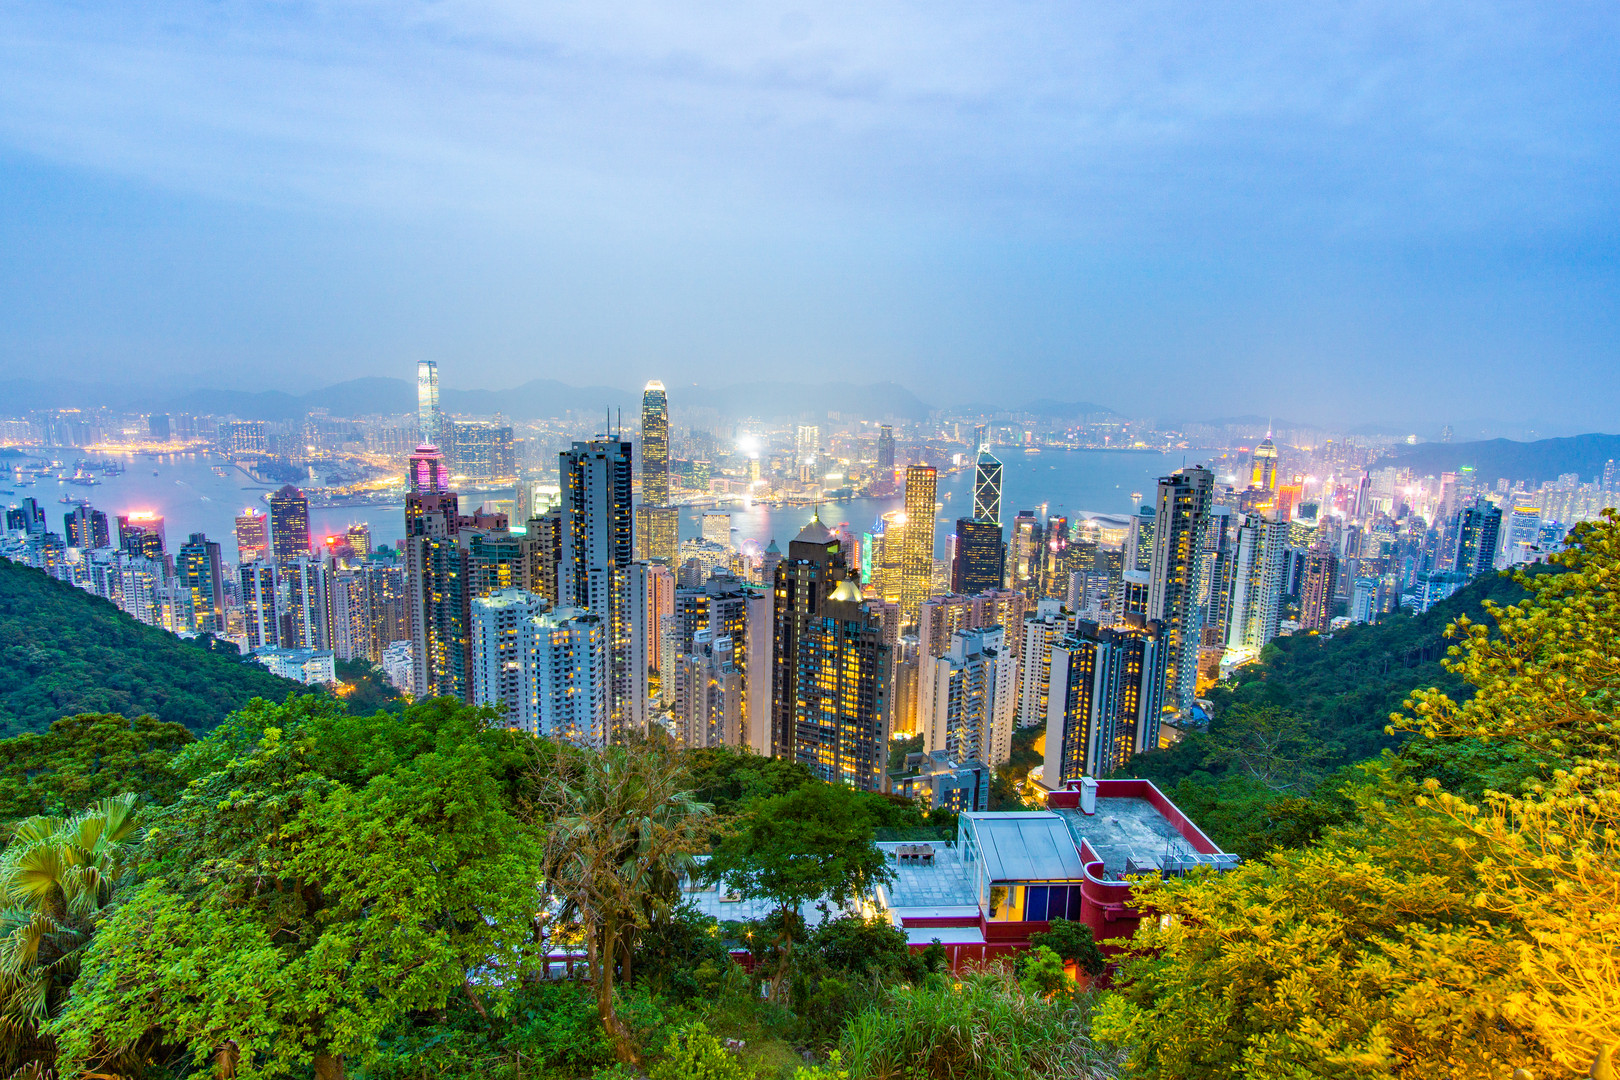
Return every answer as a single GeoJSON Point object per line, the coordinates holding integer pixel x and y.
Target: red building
{"type": "Point", "coordinates": [1008, 875]}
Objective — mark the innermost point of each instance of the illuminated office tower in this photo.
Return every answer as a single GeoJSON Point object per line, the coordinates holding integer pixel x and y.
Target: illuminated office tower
{"type": "Point", "coordinates": [1479, 528]}
{"type": "Point", "coordinates": [807, 450]}
{"type": "Point", "coordinates": [252, 537]}
{"type": "Point", "coordinates": [141, 534]}
{"type": "Point", "coordinates": [1177, 576]}
{"type": "Point", "coordinates": [261, 621]}
{"type": "Point", "coordinates": [86, 529]}
{"type": "Point", "coordinates": [987, 489]}
{"type": "Point", "coordinates": [660, 606]}
{"type": "Point", "coordinates": [654, 444]}
{"type": "Point", "coordinates": [427, 401]}
{"type": "Point", "coordinates": [479, 449]}
{"type": "Point", "coordinates": [1024, 553]}
{"type": "Point", "coordinates": [976, 564]}
{"type": "Point", "coordinates": [1107, 696]}
{"type": "Point", "coordinates": [289, 524]}
{"type": "Point", "coordinates": [435, 574]}
{"type": "Point", "coordinates": [885, 452]}
{"type": "Point", "coordinates": [1053, 575]}
{"type": "Point", "coordinates": [198, 569]}
{"type": "Point", "coordinates": [1317, 590]}
{"type": "Point", "coordinates": [917, 556]}
{"type": "Point", "coordinates": [1219, 552]}
{"type": "Point", "coordinates": [29, 517]}
{"type": "Point", "coordinates": [426, 470]}
{"type": "Point", "coordinates": [1041, 629]}
{"type": "Point", "coordinates": [1263, 465]}
{"type": "Point", "coordinates": [359, 538]}
{"type": "Point", "coordinates": [966, 701]}
{"type": "Point", "coordinates": [658, 523]}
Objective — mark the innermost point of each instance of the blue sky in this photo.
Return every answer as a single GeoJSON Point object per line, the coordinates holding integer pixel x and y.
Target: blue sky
{"type": "Point", "coordinates": [1351, 212]}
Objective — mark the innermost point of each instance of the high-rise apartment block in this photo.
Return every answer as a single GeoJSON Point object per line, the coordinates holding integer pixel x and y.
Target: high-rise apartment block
{"type": "Point", "coordinates": [1182, 520]}
{"type": "Point", "coordinates": [1107, 693]}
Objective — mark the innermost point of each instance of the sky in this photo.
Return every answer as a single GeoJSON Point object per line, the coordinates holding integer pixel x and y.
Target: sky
{"type": "Point", "coordinates": [1374, 212]}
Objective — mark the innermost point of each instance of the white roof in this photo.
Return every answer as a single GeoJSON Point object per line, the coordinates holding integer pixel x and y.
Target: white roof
{"type": "Point", "coordinates": [1026, 847]}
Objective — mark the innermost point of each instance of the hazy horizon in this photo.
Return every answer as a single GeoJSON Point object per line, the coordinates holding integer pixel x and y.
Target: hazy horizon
{"type": "Point", "coordinates": [1343, 215]}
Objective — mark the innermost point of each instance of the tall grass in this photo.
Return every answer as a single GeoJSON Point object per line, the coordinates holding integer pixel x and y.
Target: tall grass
{"type": "Point", "coordinates": [981, 1026]}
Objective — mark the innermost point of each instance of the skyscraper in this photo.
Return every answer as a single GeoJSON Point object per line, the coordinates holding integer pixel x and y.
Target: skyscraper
{"type": "Point", "coordinates": [1263, 465]}
{"type": "Point", "coordinates": [1479, 529]}
{"type": "Point", "coordinates": [1182, 520]}
{"type": "Point", "coordinates": [658, 524]}
{"type": "Point", "coordinates": [987, 489]}
{"type": "Point", "coordinates": [596, 521]}
{"type": "Point", "coordinates": [885, 451]}
{"type": "Point", "coordinates": [1106, 697]}
{"type": "Point", "coordinates": [199, 572]}
{"type": "Point", "coordinates": [140, 534]}
{"type": "Point", "coordinates": [261, 620]}
{"type": "Point", "coordinates": [1023, 553]}
{"type": "Point", "coordinates": [917, 557]}
{"type": "Point", "coordinates": [977, 564]}
{"type": "Point", "coordinates": [594, 561]}
{"type": "Point", "coordinates": [86, 528]}
{"type": "Point", "coordinates": [252, 537]}
{"type": "Point", "coordinates": [967, 698]}
{"type": "Point", "coordinates": [1317, 591]}
{"type": "Point", "coordinates": [830, 670]}
{"type": "Point", "coordinates": [427, 401]}
{"type": "Point", "coordinates": [289, 524]}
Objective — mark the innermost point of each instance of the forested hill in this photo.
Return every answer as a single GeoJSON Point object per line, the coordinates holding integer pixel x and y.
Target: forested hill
{"type": "Point", "coordinates": [63, 652]}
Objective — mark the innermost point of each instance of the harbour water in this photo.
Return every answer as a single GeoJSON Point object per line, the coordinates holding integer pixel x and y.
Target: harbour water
{"type": "Point", "coordinates": [192, 496]}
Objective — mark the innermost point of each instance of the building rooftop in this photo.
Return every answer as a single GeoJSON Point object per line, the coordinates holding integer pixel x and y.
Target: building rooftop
{"type": "Point", "coordinates": [1129, 834]}
{"type": "Point", "coordinates": [1026, 847]}
{"type": "Point", "coordinates": [938, 887]}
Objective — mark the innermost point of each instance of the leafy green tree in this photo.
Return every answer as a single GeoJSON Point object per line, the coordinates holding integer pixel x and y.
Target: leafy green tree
{"type": "Point", "coordinates": [813, 845]}
{"type": "Point", "coordinates": [1041, 972]}
{"type": "Point", "coordinates": [1072, 942]}
{"type": "Point", "coordinates": [620, 825]}
{"type": "Point", "coordinates": [729, 777]}
{"type": "Point", "coordinates": [365, 689]}
{"type": "Point", "coordinates": [1273, 747]}
{"type": "Point", "coordinates": [56, 877]}
{"type": "Point", "coordinates": [326, 877]}
{"type": "Point", "coordinates": [88, 757]}
{"type": "Point", "coordinates": [863, 947]}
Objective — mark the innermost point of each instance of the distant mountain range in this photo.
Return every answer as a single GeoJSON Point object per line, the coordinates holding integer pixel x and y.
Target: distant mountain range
{"type": "Point", "coordinates": [1544, 459]}
{"type": "Point", "coordinates": [534, 400]}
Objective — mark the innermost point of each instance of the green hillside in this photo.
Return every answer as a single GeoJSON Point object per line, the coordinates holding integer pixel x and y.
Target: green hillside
{"type": "Point", "coordinates": [64, 652]}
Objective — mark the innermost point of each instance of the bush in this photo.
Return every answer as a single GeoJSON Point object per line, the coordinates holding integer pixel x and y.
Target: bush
{"type": "Point", "coordinates": [983, 1027]}
{"type": "Point", "coordinates": [694, 1054]}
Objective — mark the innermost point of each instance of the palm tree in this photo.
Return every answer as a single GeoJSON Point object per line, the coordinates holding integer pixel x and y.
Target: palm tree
{"type": "Point", "coordinates": [621, 827]}
{"type": "Point", "coordinates": [55, 878]}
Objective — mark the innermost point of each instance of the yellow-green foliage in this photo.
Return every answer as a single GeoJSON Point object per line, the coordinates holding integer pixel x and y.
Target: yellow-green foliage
{"type": "Point", "coordinates": [1435, 937]}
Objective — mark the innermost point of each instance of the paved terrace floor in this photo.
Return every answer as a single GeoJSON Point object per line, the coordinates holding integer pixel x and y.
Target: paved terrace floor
{"type": "Point", "coordinates": [941, 887]}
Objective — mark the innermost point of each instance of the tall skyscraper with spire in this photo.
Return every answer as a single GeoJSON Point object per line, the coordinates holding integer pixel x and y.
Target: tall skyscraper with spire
{"type": "Point", "coordinates": [658, 524]}
{"type": "Point", "coordinates": [917, 556]}
{"type": "Point", "coordinates": [987, 488]}
{"type": "Point", "coordinates": [427, 401]}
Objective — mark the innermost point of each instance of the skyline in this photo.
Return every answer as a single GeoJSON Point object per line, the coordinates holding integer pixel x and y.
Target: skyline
{"type": "Point", "coordinates": [1166, 211]}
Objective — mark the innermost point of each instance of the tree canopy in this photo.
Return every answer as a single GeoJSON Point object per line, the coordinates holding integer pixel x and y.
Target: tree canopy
{"type": "Point", "coordinates": [65, 652]}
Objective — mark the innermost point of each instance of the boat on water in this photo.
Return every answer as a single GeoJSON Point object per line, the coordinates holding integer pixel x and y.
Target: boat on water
{"type": "Point", "coordinates": [1032, 449]}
